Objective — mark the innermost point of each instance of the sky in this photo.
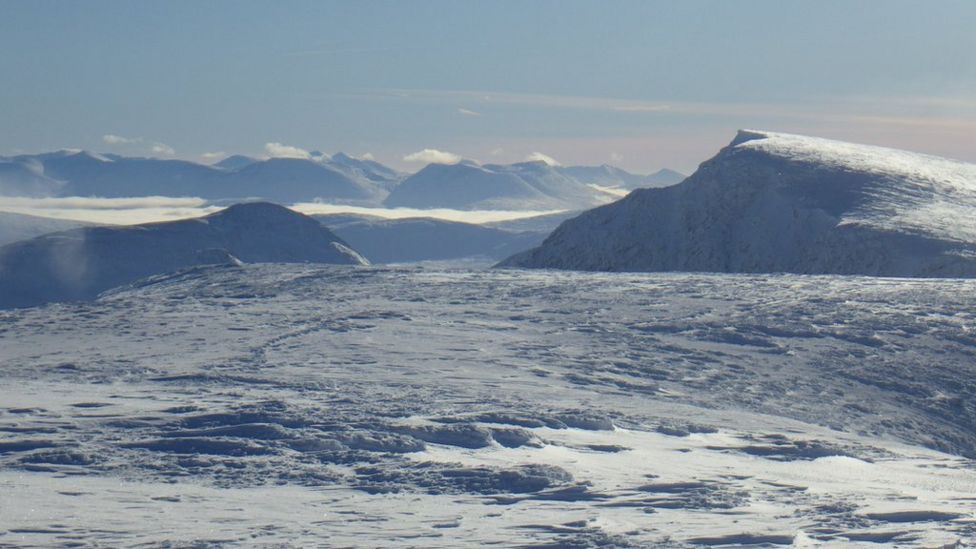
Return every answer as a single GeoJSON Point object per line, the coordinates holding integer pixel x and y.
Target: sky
{"type": "Point", "coordinates": [638, 84]}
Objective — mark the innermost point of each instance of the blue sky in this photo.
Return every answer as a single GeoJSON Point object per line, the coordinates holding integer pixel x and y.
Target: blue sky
{"type": "Point", "coordinates": [640, 84]}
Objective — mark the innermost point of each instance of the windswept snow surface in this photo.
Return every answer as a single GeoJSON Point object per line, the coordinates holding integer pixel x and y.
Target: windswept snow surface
{"type": "Point", "coordinates": [313, 405]}
{"type": "Point", "coordinates": [772, 202]}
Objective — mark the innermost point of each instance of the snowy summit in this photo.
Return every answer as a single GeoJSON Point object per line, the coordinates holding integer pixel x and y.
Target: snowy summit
{"type": "Point", "coordinates": [773, 202]}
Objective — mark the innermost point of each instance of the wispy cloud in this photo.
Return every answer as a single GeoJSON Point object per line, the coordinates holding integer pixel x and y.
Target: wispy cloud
{"type": "Point", "coordinates": [616, 157]}
{"type": "Point", "coordinates": [432, 156]}
{"type": "Point", "coordinates": [162, 149]}
{"type": "Point", "coordinates": [539, 157]}
{"type": "Point", "coordinates": [889, 110]}
{"type": "Point", "coordinates": [468, 112]}
{"type": "Point", "coordinates": [473, 97]}
{"type": "Point", "coordinates": [112, 139]}
{"type": "Point", "coordinates": [278, 150]}
{"type": "Point", "coordinates": [333, 51]}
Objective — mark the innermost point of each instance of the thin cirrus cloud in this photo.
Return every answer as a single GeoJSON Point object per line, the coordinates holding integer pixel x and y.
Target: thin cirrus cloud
{"type": "Point", "coordinates": [432, 156]}
{"type": "Point", "coordinates": [849, 110]}
{"type": "Point", "coordinates": [279, 150]}
{"type": "Point", "coordinates": [468, 112]}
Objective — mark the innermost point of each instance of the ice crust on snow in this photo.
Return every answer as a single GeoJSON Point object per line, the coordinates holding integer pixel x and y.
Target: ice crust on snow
{"type": "Point", "coordinates": [773, 202]}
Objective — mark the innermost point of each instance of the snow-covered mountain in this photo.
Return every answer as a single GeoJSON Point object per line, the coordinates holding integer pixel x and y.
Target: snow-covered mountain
{"type": "Point", "coordinates": [525, 185]}
{"type": "Point", "coordinates": [371, 170]}
{"type": "Point", "coordinates": [15, 226]}
{"type": "Point", "coordinates": [81, 173]}
{"type": "Point", "coordinates": [425, 239]}
{"type": "Point", "coordinates": [772, 202]}
{"type": "Point", "coordinates": [340, 178]}
{"type": "Point", "coordinates": [80, 263]}
{"type": "Point", "coordinates": [296, 180]}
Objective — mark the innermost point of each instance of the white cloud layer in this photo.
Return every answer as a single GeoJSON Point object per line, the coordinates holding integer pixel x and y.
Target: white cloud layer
{"type": "Point", "coordinates": [110, 211]}
{"type": "Point", "coordinates": [432, 156]}
{"type": "Point", "coordinates": [146, 209]}
{"type": "Point", "coordinates": [468, 112]}
{"type": "Point", "coordinates": [464, 216]}
{"type": "Point", "coordinates": [278, 150]}
{"type": "Point", "coordinates": [539, 157]}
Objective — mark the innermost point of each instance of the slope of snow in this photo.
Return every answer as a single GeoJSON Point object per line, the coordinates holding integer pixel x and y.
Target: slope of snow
{"type": "Point", "coordinates": [605, 176]}
{"type": "Point", "coordinates": [80, 263]}
{"type": "Point", "coordinates": [308, 405]}
{"type": "Point", "coordinates": [371, 170]}
{"type": "Point", "coordinates": [774, 202]}
{"type": "Point", "coordinates": [15, 226]}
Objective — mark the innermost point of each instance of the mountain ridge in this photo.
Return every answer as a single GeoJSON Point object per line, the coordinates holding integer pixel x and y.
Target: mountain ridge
{"type": "Point", "coordinates": [80, 263]}
{"type": "Point", "coordinates": [774, 202]}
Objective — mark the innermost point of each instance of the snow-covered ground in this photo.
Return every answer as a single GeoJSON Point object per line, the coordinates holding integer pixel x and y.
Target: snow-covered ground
{"type": "Point", "coordinates": [366, 406]}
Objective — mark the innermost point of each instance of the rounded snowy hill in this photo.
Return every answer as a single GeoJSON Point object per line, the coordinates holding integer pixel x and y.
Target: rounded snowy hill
{"type": "Point", "coordinates": [81, 263]}
{"type": "Point", "coordinates": [772, 202]}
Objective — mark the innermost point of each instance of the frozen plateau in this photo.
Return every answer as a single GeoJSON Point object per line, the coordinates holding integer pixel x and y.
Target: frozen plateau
{"type": "Point", "coordinates": [253, 393]}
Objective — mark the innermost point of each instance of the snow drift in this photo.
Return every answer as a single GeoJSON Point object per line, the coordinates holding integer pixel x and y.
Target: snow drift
{"type": "Point", "coordinates": [80, 263]}
{"type": "Point", "coordinates": [771, 202]}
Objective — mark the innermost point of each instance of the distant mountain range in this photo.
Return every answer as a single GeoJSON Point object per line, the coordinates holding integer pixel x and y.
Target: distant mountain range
{"type": "Point", "coordinates": [69, 173]}
{"type": "Point", "coordinates": [772, 202]}
{"type": "Point", "coordinates": [336, 179]}
{"type": "Point", "coordinates": [78, 264]}
{"type": "Point", "coordinates": [526, 185]}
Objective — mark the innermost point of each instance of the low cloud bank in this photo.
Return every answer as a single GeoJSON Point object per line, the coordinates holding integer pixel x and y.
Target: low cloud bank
{"type": "Point", "coordinates": [148, 209]}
